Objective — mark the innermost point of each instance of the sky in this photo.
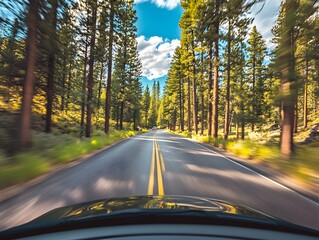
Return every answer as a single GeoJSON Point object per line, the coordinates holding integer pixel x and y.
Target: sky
{"type": "Point", "coordinates": [158, 33]}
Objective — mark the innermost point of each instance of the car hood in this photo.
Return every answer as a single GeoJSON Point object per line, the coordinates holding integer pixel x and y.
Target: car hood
{"type": "Point", "coordinates": [149, 210]}
{"type": "Point", "coordinates": [167, 204]}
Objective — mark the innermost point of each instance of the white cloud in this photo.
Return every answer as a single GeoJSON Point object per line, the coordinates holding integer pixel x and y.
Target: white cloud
{"type": "Point", "coordinates": [265, 18]}
{"type": "Point", "coordinates": [169, 4]}
{"type": "Point", "coordinates": [156, 55]}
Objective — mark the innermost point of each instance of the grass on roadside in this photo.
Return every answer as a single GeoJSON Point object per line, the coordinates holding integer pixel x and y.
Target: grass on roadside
{"type": "Point", "coordinates": [48, 150]}
{"type": "Point", "coordinates": [303, 166]}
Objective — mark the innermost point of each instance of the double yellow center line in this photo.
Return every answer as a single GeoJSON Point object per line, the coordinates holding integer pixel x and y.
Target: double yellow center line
{"type": "Point", "coordinates": [158, 164]}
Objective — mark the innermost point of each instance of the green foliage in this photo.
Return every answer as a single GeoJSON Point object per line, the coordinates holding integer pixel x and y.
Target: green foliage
{"type": "Point", "coordinates": [257, 72]}
{"type": "Point", "coordinates": [253, 150]}
{"type": "Point", "coordinates": [27, 165]}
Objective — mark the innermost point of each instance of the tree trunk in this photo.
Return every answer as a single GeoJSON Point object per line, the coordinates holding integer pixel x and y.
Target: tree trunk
{"type": "Point", "coordinates": [287, 122]}
{"type": "Point", "coordinates": [202, 115]}
{"type": "Point", "coordinates": [181, 105]}
{"type": "Point", "coordinates": [100, 88]}
{"type": "Point", "coordinates": [68, 93]}
{"type": "Point", "coordinates": [242, 111]}
{"type": "Point", "coordinates": [243, 129]}
{"type": "Point", "coordinates": [237, 130]}
{"type": "Point", "coordinates": [31, 55]}
{"type": "Point", "coordinates": [305, 96]}
{"type": "Point", "coordinates": [189, 128]}
{"type": "Point", "coordinates": [146, 118]}
{"type": "Point", "coordinates": [117, 117]}
{"type": "Point", "coordinates": [174, 119]}
{"type": "Point", "coordinates": [227, 107]}
{"type": "Point", "coordinates": [195, 110]}
{"type": "Point", "coordinates": [210, 83]}
{"type": "Point", "coordinates": [254, 96]}
{"type": "Point", "coordinates": [50, 92]}
{"type": "Point", "coordinates": [288, 80]}
{"type": "Point", "coordinates": [83, 88]}
{"type": "Point", "coordinates": [296, 116]}
{"type": "Point", "coordinates": [216, 73]}
{"type": "Point", "coordinates": [63, 84]}
{"type": "Point", "coordinates": [109, 71]}
{"type": "Point", "coordinates": [121, 115]}
{"type": "Point", "coordinates": [91, 71]}
{"type": "Point", "coordinates": [134, 120]}
{"type": "Point", "coordinates": [51, 69]}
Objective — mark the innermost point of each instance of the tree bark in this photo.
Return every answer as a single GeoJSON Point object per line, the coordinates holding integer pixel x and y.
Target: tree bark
{"type": "Point", "coordinates": [121, 115]}
{"type": "Point", "coordinates": [202, 115]}
{"type": "Point", "coordinates": [83, 88]}
{"type": "Point", "coordinates": [189, 127]}
{"type": "Point", "coordinates": [195, 110]}
{"type": "Point", "coordinates": [210, 83]}
{"type": "Point", "coordinates": [31, 52]}
{"type": "Point", "coordinates": [68, 93]}
{"type": "Point", "coordinates": [243, 129]}
{"type": "Point", "coordinates": [91, 71]}
{"type": "Point", "coordinates": [296, 116]}
{"type": "Point", "coordinates": [109, 71]}
{"type": "Point", "coordinates": [227, 107]}
{"type": "Point", "coordinates": [288, 82]}
{"type": "Point", "coordinates": [134, 120]}
{"type": "Point", "coordinates": [254, 96]}
{"type": "Point", "coordinates": [181, 105]}
{"type": "Point", "coordinates": [117, 117]}
{"type": "Point", "coordinates": [216, 76]}
{"type": "Point", "coordinates": [174, 119]}
{"type": "Point", "coordinates": [287, 122]}
{"type": "Point", "coordinates": [51, 69]}
{"type": "Point", "coordinates": [242, 111]}
{"type": "Point", "coordinates": [305, 96]}
{"type": "Point", "coordinates": [237, 130]}
{"type": "Point", "coordinates": [63, 84]}
{"type": "Point", "coordinates": [288, 79]}
{"type": "Point", "coordinates": [100, 89]}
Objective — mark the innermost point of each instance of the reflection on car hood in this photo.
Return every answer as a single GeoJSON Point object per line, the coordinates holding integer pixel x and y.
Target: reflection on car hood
{"type": "Point", "coordinates": [150, 210]}
{"type": "Point", "coordinates": [166, 204]}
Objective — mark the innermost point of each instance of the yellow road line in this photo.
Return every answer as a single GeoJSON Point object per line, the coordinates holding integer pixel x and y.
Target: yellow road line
{"type": "Point", "coordinates": [161, 159]}
{"type": "Point", "coordinates": [150, 189]}
{"type": "Point", "coordinates": [159, 174]}
{"type": "Point", "coordinates": [162, 162]}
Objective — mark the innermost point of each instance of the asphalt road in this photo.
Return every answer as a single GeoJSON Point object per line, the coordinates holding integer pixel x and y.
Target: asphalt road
{"type": "Point", "coordinates": [159, 163]}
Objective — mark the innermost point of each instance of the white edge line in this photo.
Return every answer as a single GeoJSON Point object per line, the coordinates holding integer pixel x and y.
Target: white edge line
{"type": "Point", "coordinates": [269, 179]}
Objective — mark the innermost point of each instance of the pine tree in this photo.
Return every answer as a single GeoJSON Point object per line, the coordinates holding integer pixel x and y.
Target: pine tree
{"type": "Point", "coordinates": [31, 46]}
{"type": "Point", "coordinates": [187, 23]}
{"type": "Point", "coordinates": [294, 16]}
{"type": "Point", "coordinates": [238, 22]}
{"type": "Point", "coordinates": [52, 20]}
{"type": "Point", "coordinates": [127, 67]}
{"type": "Point", "coordinates": [152, 112]}
{"type": "Point", "coordinates": [257, 53]}
{"type": "Point", "coordinates": [112, 5]}
{"type": "Point", "coordinates": [146, 100]}
{"type": "Point", "coordinates": [90, 83]}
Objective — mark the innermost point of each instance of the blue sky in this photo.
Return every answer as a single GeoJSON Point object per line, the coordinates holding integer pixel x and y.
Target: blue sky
{"type": "Point", "coordinates": [158, 33]}
{"type": "Point", "coordinates": [158, 21]}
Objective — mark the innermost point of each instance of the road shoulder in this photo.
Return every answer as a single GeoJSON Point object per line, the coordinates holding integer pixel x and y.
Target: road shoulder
{"type": "Point", "coordinates": [267, 171]}
{"type": "Point", "coordinates": [14, 190]}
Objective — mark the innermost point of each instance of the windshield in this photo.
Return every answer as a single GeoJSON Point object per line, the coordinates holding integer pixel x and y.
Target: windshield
{"type": "Point", "coordinates": [217, 99]}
